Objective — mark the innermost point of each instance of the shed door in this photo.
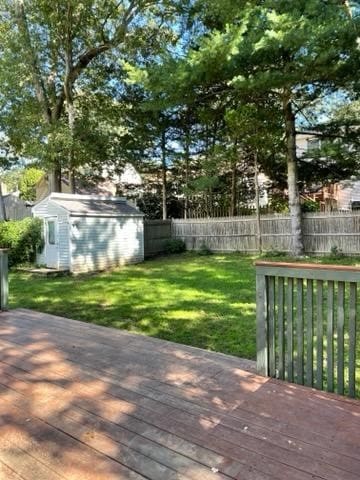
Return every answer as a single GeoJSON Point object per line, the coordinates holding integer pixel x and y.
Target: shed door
{"type": "Point", "coordinates": [51, 242]}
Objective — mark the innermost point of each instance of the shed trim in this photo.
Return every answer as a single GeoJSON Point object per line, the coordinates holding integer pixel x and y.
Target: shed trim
{"type": "Point", "coordinates": [108, 215]}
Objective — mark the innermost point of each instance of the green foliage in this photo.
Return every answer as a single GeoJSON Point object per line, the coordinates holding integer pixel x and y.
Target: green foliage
{"type": "Point", "coordinates": [174, 245]}
{"type": "Point", "coordinates": [336, 252]}
{"type": "Point", "coordinates": [279, 204]}
{"type": "Point", "coordinates": [150, 205]}
{"type": "Point", "coordinates": [23, 238]}
{"type": "Point", "coordinates": [204, 250]}
{"type": "Point", "coordinates": [310, 206]}
{"type": "Point", "coordinates": [28, 181]}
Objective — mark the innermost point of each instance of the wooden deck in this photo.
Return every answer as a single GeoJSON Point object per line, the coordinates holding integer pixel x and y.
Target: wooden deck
{"type": "Point", "coordinates": [83, 402]}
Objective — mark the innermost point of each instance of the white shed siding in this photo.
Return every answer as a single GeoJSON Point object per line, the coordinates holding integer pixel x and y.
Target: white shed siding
{"type": "Point", "coordinates": [63, 239]}
{"type": "Point", "coordinates": [49, 209]}
{"type": "Point", "coordinates": [98, 243]}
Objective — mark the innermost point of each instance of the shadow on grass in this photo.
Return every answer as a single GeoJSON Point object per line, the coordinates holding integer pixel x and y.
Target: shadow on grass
{"type": "Point", "coordinates": [207, 302]}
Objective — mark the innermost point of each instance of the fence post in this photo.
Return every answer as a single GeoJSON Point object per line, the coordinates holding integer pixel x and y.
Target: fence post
{"type": "Point", "coordinates": [262, 348]}
{"type": "Point", "coordinates": [4, 287]}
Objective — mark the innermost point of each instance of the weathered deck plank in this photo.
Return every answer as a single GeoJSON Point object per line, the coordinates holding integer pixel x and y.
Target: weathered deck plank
{"type": "Point", "coordinates": [104, 403]}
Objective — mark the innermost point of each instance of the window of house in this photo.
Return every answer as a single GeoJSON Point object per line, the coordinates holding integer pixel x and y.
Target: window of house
{"type": "Point", "coordinates": [51, 233]}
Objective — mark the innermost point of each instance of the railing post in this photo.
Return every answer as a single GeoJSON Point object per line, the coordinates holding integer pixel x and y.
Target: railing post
{"type": "Point", "coordinates": [4, 286]}
{"type": "Point", "coordinates": [262, 347]}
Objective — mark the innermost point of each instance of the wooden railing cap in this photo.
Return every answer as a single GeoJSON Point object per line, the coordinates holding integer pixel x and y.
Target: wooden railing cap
{"type": "Point", "coordinates": [308, 266]}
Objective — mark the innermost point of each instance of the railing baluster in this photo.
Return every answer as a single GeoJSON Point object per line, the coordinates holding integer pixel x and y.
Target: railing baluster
{"type": "Point", "coordinates": [340, 338]}
{"type": "Point", "coordinates": [271, 320]}
{"type": "Point", "coordinates": [289, 331]}
{"type": "Point", "coordinates": [352, 338]}
{"type": "Point", "coordinates": [281, 329]}
{"type": "Point", "coordinates": [319, 334]}
{"type": "Point", "coordinates": [330, 338]}
{"type": "Point", "coordinates": [300, 333]}
{"type": "Point", "coordinates": [4, 281]}
{"type": "Point", "coordinates": [262, 364]}
{"type": "Point", "coordinates": [309, 333]}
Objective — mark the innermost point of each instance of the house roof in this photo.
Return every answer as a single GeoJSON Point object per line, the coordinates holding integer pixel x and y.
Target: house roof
{"type": "Point", "coordinates": [93, 205]}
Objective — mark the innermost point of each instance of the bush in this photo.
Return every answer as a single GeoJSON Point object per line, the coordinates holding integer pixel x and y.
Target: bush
{"type": "Point", "coordinates": [23, 238]}
{"type": "Point", "coordinates": [174, 245]}
{"type": "Point", "coordinates": [336, 252]}
{"type": "Point", "coordinates": [310, 206]}
{"type": "Point", "coordinates": [204, 250]}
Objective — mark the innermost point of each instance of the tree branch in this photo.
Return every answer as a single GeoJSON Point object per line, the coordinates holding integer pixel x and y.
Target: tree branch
{"type": "Point", "coordinates": [38, 82]}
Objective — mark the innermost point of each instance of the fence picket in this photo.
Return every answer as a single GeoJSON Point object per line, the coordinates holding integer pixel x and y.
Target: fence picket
{"type": "Point", "coordinates": [281, 328]}
{"type": "Point", "coordinates": [300, 333]}
{"type": "Point", "coordinates": [271, 316]}
{"type": "Point", "coordinates": [352, 338]}
{"type": "Point", "coordinates": [310, 333]}
{"type": "Point", "coordinates": [340, 337]}
{"type": "Point", "coordinates": [319, 334]}
{"type": "Point", "coordinates": [330, 338]}
{"type": "Point", "coordinates": [289, 331]}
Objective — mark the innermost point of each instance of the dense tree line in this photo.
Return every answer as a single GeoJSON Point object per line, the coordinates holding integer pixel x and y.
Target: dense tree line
{"type": "Point", "coordinates": [199, 95]}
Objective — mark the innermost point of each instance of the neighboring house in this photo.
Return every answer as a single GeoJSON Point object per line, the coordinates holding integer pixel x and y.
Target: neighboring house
{"type": "Point", "coordinates": [84, 233]}
{"type": "Point", "coordinates": [343, 195]}
{"type": "Point", "coordinates": [105, 187]}
{"type": "Point", "coordinates": [109, 184]}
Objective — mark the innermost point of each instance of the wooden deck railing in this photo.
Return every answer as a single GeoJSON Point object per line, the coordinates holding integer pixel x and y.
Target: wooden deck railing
{"type": "Point", "coordinates": [4, 286]}
{"type": "Point", "coordinates": [306, 324]}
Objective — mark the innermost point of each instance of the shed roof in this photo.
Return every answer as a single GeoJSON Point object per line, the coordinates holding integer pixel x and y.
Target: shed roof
{"type": "Point", "coordinates": [80, 205]}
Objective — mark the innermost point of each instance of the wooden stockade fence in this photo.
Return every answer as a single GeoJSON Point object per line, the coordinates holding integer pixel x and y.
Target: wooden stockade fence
{"type": "Point", "coordinates": [15, 208]}
{"type": "Point", "coordinates": [307, 324]}
{"type": "Point", "coordinates": [156, 233]}
{"type": "Point", "coordinates": [323, 232]}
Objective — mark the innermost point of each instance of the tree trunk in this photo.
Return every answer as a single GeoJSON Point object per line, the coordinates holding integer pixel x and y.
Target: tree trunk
{"type": "Point", "coordinates": [348, 9]}
{"type": "Point", "coordinates": [69, 95]}
{"type": "Point", "coordinates": [187, 165]}
{"type": "Point", "coordinates": [257, 202]}
{"type": "Point", "coordinates": [2, 204]}
{"type": "Point", "coordinates": [55, 178]}
{"type": "Point", "coordinates": [163, 174]}
{"type": "Point", "coordinates": [232, 211]}
{"type": "Point", "coordinates": [72, 181]}
{"type": "Point", "coordinates": [297, 247]}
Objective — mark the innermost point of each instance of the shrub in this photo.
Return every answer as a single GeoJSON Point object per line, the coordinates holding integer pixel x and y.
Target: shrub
{"type": "Point", "coordinates": [336, 252]}
{"type": "Point", "coordinates": [310, 206]}
{"type": "Point", "coordinates": [174, 245]}
{"type": "Point", "coordinates": [204, 250]}
{"type": "Point", "coordinates": [23, 238]}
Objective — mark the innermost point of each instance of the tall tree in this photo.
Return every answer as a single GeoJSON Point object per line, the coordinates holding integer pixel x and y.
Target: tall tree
{"type": "Point", "coordinates": [293, 50]}
{"type": "Point", "coordinates": [51, 49]}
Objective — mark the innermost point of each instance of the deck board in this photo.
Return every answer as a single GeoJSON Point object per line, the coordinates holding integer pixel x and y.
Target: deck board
{"type": "Point", "coordinates": [79, 401]}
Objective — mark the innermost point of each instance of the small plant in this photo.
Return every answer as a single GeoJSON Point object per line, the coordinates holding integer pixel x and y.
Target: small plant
{"type": "Point", "coordinates": [174, 245]}
{"type": "Point", "coordinates": [204, 250]}
{"type": "Point", "coordinates": [336, 252]}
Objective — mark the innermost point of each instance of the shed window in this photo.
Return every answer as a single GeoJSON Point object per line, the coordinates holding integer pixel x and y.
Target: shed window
{"type": "Point", "coordinates": [51, 233]}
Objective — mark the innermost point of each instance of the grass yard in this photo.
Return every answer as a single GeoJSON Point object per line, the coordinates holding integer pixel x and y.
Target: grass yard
{"type": "Point", "coordinates": [205, 301]}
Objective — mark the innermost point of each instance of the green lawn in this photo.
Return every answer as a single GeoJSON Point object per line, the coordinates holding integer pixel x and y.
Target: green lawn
{"type": "Point", "coordinates": [205, 301]}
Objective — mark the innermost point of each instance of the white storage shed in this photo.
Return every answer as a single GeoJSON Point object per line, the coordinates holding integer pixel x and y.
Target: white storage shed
{"type": "Point", "coordinates": [84, 233]}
